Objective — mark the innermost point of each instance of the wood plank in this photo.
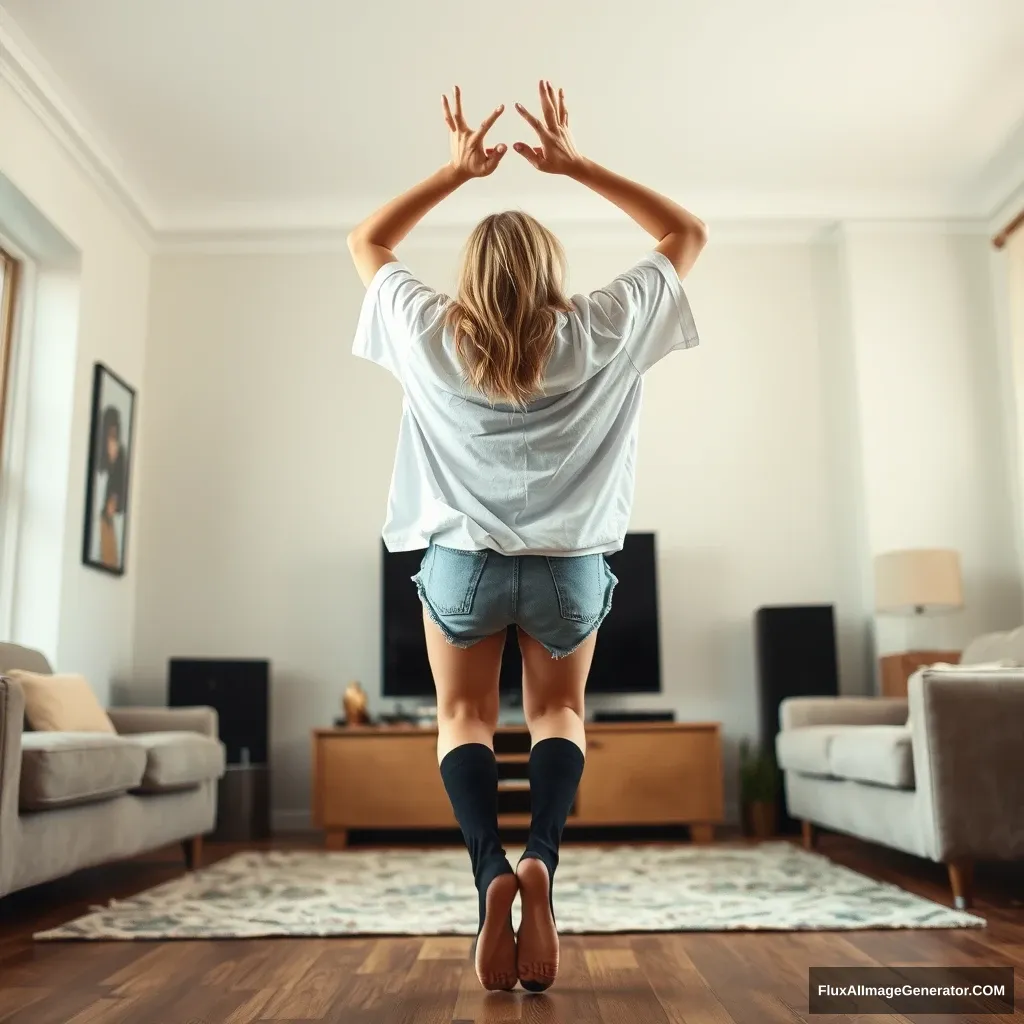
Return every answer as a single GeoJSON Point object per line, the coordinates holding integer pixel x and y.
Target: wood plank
{"type": "Point", "coordinates": [684, 995]}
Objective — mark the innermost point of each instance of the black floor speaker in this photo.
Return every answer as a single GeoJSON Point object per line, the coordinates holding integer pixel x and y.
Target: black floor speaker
{"type": "Point", "coordinates": [239, 691]}
{"type": "Point", "coordinates": [796, 657]}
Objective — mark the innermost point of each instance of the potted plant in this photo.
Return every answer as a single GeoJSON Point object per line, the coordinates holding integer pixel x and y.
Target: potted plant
{"type": "Point", "coordinates": [758, 791]}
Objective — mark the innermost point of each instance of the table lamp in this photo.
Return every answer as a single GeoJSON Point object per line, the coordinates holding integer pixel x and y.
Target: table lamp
{"type": "Point", "coordinates": [916, 583]}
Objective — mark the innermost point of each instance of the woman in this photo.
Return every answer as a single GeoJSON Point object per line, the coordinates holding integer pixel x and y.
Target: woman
{"type": "Point", "coordinates": [515, 470]}
{"type": "Point", "coordinates": [112, 462]}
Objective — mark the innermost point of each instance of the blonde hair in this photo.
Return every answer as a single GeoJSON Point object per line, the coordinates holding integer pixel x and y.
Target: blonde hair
{"type": "Point", "coordinates": [509, 298]}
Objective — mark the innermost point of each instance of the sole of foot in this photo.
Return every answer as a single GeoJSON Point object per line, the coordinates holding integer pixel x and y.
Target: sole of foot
{"type": "Point", "coordinates": [496, 944]}
{"type": "Point", "coordinates": [537, 942]}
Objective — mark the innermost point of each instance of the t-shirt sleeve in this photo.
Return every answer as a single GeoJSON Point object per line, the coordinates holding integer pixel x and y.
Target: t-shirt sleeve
{"type": "Point", "coordinates": [645, 311]}
{"type": "Point", "coordinates": [398, 311]}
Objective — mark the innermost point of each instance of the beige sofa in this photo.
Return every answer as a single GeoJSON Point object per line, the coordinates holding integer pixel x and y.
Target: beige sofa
{"type": "Point", "coordinates": [939, 775]}
{"type": "Point", "coordinates": [72, 800]}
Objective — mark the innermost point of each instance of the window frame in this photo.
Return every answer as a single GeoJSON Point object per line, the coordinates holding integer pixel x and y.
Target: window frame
{"type": "Point", "coordinates": [13, 427]}
{"type": "Point", "coordinates": [9, 303]}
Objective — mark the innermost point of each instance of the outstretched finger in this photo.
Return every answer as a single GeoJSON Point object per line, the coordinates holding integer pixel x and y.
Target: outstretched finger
{"type": "Point", "coordinates": [532, 121]}
{"type": "Point", "coordinates": [459, 120]}
{"type": "Point", "coordinates": [563, 112]}
{"type": "Point", "coordinates": [529, 153]}
{"type": "Point", "coordinates": [448, 119]}
{"type": "Point", "coordinates": [547, 104]}
{"type": "Point", "coordinates": [485, 125]}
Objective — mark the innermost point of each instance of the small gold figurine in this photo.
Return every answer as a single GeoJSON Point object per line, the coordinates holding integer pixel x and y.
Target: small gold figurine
{"type": "Point", "coordinates": [355, 704]}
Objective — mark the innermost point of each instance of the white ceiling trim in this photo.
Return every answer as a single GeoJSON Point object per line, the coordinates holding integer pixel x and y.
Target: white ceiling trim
{"type": "Point", "coordinates": [24, 69]}
{"type": "Point", "coordinates": [314, 219]}
{"type": "Point", "coordinates": [578, 233]}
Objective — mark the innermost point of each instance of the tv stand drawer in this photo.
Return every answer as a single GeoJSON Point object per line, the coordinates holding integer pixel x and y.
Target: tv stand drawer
{"type": "Point", "coordinates": [637, 775]}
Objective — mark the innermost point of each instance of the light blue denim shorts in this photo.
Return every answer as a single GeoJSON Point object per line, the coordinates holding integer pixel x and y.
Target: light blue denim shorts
{"type": "Point", "coordinates": [471, 595]}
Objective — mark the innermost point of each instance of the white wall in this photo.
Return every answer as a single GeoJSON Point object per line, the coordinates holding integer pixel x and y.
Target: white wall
{"type": "Point", "coordinates": [932, 433]}
{"type": "Point", "coordinates": [90, 625]}
{"type": "Point", "coordinates": [269, 452]}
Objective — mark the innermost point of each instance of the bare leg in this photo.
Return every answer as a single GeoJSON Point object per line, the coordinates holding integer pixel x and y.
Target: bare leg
{"type": "Point", "coordinates": [466, 680]}
{"type": "Point", "coordinates": [553, 690]}
{"type": "Point", "coordinates": [553, 704]}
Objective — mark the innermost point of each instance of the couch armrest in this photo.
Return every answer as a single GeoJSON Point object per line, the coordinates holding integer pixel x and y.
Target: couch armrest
{"type": "Point", "coordinates": [969, 761]}
{"type": "Point", "coordinates": [198, 719]}
{"type": "Point", "coordinates": [797, 712]}
{"type": "Point", "coordinates": [12, 721]}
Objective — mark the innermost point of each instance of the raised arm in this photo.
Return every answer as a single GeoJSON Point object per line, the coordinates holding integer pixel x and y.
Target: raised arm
{"type": "Point", "coordinates": [372, 242]}
{"type": "Point", "coordinates": [681, 236]}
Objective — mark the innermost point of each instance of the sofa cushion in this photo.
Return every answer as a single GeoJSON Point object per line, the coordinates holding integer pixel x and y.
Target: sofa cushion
{"type": "Point", "coordinates": [62, 768]}
{"type": "Point", "coordinates": [176, 760]}
{"type": "Point", "coordinates": [881, 754]}
{"type": "Point", "coordinates": [61, 703]}
{"type": "Point", "coordinates": [806, 749]}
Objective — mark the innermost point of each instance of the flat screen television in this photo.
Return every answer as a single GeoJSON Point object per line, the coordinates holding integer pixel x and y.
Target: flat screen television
{"type": "Point", "coordinates": [627, 658]}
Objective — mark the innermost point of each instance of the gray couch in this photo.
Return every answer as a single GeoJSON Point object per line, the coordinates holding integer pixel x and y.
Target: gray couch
{"type": "Point", "coordinates": [939, 775]}
{"type": "Point", "coordinates": [72, 800]}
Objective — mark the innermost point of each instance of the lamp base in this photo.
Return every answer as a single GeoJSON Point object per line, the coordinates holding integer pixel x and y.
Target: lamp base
{"type": "Point", "coordinates": [898, 668]}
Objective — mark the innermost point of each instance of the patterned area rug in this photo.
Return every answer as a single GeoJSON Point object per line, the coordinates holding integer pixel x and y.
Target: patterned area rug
{"type": "Point", "coordinates": [772, 886]}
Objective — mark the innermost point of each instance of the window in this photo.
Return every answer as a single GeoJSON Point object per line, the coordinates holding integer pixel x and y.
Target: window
{"type": "Point", "coordinates": [8, 286]}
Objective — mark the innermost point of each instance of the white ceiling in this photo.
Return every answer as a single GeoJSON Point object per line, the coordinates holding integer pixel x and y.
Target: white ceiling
{"type": "Point", "coordinates": [303, 112]}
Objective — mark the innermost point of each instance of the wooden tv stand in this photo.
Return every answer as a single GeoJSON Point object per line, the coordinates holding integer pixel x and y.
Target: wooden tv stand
{"type": "Point", "coordinates": [643, 773]}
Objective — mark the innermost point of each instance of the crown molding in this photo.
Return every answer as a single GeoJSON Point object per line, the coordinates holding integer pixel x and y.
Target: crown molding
{"type": "Point", "coordinates": [915, 226]}
{"type": "Point", "coordinates": [577, 233]}
{"type": "Point", "coordinates": [736, 217]}
{"type": "Point", "coordinates": [39, 88]}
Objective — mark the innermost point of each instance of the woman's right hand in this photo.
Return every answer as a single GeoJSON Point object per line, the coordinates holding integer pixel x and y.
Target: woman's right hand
{"type": "Point", "coordinates": [557, 153]}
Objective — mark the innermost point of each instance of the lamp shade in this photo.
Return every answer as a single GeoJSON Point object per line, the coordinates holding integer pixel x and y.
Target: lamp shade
{"type": "Point", "coordinates": [918, 581]}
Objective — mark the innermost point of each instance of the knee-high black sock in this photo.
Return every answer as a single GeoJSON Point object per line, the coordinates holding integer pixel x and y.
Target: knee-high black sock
{"type": "Point", "coordinates": [470, 776]}
{"type": "Point", "coordinates": [556, 767]}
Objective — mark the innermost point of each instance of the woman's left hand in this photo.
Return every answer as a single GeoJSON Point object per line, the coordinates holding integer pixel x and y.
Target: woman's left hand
{"type": "Point", "coordinates": [470, 156]}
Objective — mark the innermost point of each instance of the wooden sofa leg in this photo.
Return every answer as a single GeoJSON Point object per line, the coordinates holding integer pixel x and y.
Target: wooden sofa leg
{"type": "Point", "coordinates": [808, 834]}
{"type": "Point", "coordinates": [193, 852]}
{"type": "Point", "coordinates": [961, 881]}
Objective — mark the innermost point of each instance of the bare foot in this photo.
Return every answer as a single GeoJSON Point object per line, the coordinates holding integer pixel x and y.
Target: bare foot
{"type": "Point", "coordinates": [537, 942]}
{"type": "Point", "coordinates": [496, 943]}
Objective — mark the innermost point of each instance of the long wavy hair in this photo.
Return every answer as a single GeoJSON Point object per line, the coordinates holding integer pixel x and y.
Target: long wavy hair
{"type": "Point", "coordinates": [509, 297]}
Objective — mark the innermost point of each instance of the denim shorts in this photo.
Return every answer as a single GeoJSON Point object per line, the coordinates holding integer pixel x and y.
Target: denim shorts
{"type": "Point", "coordinates": [471, 595]}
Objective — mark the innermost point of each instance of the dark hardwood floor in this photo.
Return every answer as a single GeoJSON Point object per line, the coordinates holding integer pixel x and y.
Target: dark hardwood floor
{"type": "Point", "coordinates": [697, 978]}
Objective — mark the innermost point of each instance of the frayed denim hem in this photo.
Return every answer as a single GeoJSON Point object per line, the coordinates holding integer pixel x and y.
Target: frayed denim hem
{"type": "Point", "coordinates": [558, 653]}
{"type": "Point", "coordinates": [454, 641]}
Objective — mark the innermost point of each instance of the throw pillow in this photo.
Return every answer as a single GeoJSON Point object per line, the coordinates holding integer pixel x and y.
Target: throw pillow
{"type": "Point", "coordinates": [61, 703]}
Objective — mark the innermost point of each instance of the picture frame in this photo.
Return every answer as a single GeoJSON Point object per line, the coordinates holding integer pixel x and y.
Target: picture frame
{"type": "Point", "coordinates": [108, 483]}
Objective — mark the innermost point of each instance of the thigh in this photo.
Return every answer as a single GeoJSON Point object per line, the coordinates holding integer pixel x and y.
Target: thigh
{"type": "Point", "coordinates": [464, 677]}
{"type": "Point", "coordinates": [550, 682]}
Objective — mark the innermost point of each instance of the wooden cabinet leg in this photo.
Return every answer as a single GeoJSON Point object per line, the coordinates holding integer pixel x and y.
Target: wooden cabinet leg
{"type": "Point", "coordinates": [193, 849]}
{"type": "Point", "coordinates": [808, 834]}
{"type": "Point", "coordinates": [961, 881]}
{"type": "Point", "coordinates": [337, 838]}
{"type": "Point", "coordinates": [702, 833]}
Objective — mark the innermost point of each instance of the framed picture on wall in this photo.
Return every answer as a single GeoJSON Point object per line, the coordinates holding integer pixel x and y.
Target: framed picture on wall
{"type": "Point", "coordinates": [111, 439]}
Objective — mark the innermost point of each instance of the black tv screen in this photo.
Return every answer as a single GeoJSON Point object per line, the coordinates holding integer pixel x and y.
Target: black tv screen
{"type": "Point", "coordinates": [627, 658]}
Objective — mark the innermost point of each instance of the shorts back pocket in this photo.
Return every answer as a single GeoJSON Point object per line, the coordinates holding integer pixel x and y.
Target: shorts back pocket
{"type": "Point", "coordinates": [450, 578]}
{"type": "Point", "coordinates": [581, 583]}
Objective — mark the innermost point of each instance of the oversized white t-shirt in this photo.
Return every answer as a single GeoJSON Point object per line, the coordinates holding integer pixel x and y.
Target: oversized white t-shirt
{"type": "Point", "coordinates": [554, 478]}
